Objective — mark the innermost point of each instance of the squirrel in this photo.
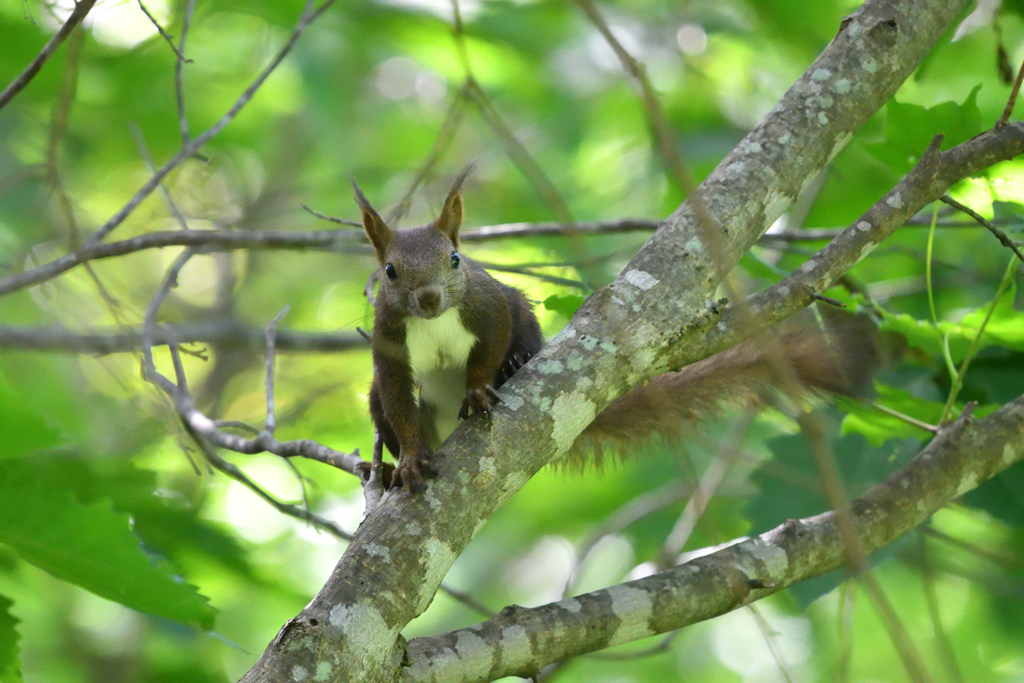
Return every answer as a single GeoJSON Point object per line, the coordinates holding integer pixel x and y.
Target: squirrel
{"type": "Point", "coordinates": [447, 335]}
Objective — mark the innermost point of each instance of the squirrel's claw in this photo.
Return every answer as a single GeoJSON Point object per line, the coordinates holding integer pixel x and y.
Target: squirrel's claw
{"type": "Point", "coordinates": [514, 364]}
{"type": "Point", "coordinates": [412, 473]}
{"type": "Point", "coordinates": [479, 401]}
{"type": "Point", "coordinates": [387, 473]}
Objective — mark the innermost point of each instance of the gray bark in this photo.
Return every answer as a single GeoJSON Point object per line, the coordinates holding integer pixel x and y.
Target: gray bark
{"type": "Point", "coordinates": [647, 321]}
{"type": "Point", "coordinates": [519, 642]}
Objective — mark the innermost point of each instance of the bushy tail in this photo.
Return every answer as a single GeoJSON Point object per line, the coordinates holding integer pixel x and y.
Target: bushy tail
{"type": "Point", "coordinates": [839, 356]}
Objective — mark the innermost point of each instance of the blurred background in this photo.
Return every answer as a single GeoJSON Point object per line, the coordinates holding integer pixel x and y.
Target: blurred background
{"type": "Point", "coordinates": [100, 486]}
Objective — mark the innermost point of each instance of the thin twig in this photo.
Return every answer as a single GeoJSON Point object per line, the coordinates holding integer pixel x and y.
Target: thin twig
{"type": "Point", "coordinates": [77, 15]}
{"type": "Point", "coordinates": [958, 378]}
{"type": "Point", "coordinates": [705, 490]}
{"type": "Point", "coordinates": [235, 424]}
{"type": "Point", "coordinates": [444, 138]}
{"type": "Point", "coordinates": [770, 636]}
{"type": "Point", "coordinates": [855, 557]}
{"type": "Point", "coordinates": [664, 137]}
{"type": "Point", "coordinates": [945, 647]}
{"type": "Point", "coordinates": [662, 646]}
{"type": "Point", "coordinates": [271, 423]}
{"type": "Point", "coordinates": [322, 240]}
{"type": "Point", "coordinates": [1012, 101]}
{"type": "Point", "coordinates": [343, 241]}
{"type": "Point", "coordinates": [205, 429]}
{"type": "Point", "coordinates": [904, 417]}
{"type": "Point", "coordinates": [1009, 562]}
{"type": "Point", "coordinates": [529, 272]}
{"type": "Point", "coordinates": [163, 33]}
{"type": "Point", "coordinates": [226, 334]}
{"type": "Point", "coordinates": [1000, 235]}
{"type": "Point", "coordinates": [828, 300]}
{"type": "Point", "coordinates": [844, 619]}
{"type": "Point", "coordinates": [179, 86]}
{"type": "Point", "coordinates": [140, 143]}
{"type": "Point", "coordinates": [331, 219]}
{"type": "Point", "coordinates": [632, 511]}
{"type": "Point", "coordinates": [467, 600]}
{"type": "Point", "coordinates": [194, 145]}
{"type": "Point", "coordinates": [295, 511]}
{"type": "Point", "coordinates": [58, 128]}
{"type": "Point", "coordinates": [519, 155]}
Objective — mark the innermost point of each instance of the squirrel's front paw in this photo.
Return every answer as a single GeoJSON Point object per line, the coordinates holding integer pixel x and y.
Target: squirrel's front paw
{"type": "Point", "coordinates": [412, 472]}
{"type": "Point", "coordinates": [479, 401]}
{"type": "Point", "coordinates": [387, 473]}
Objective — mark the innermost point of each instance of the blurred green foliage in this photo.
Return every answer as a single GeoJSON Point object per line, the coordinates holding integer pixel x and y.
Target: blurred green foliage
{"type": "Point", "coordinates": [115, 553]}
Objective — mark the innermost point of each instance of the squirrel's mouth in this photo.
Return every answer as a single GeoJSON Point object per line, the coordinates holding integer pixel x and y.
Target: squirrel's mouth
{"type": "Point", "coordinates": [428, 313]}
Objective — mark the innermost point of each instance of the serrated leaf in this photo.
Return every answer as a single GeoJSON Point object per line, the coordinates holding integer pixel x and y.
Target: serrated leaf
{"type": "Point", "coordinates": [1005, 328]}
{"type": "Point", "coordinates": [162, 520]}
{"type": "Point", "coordinates": [878, 427]}
{"type": "Point", "coordinates": [789, 484]}
{"type": "Point", "coordinates": [909, 128]}
{"type": "Point", "coordinates": [567, 305]}
{"type": "Point", "coordinates": [24, 430]}
{"type": "Point", "coordinates": [10, 669]}
{"type": "Point", "coordinates": [91, 546]}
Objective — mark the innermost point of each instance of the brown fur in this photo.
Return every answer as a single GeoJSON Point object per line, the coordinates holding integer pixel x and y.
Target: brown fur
{"type": "Point", "coordinates": [839, 358]}
{"type": "Point", "coordinates": [425, 284]}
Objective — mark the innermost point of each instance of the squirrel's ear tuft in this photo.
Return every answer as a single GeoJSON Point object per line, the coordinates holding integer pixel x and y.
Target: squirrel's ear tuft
{"type": "Point", "coordinates": [450, 219]}
{"type": "Point", "coordinates": [376, 229]}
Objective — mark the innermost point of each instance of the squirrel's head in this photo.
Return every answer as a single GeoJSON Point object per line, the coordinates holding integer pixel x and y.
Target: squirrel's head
{"type": "Point", "coordinates": [423, 273]}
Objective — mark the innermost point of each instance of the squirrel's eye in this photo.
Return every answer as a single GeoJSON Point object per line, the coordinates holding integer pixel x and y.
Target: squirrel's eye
{"type": "Point", "coordinates": [390, 271]}
{"type": "Point", "coordinates": [455, 260]}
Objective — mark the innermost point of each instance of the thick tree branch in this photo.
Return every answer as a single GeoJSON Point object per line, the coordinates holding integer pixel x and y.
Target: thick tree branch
{"type": "Point", "coordinates": [644, 323]}
{"type": "Point", "coordinates": [518, 642]}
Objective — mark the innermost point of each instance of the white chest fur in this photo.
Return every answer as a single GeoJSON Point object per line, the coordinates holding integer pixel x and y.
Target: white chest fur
{"type": "Point", "coordinates": [438, 353]}
{"type": "Point", "coordinates": [440, 343]}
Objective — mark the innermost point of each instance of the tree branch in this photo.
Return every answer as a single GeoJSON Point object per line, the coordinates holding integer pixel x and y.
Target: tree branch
{"type": "Point", "coordinates": [651, 319]}
{"type": "Point", "coordinates": [227, 334]}
{"type": "Point", "coordinates": [961, 457]}
{"type": "Point", "coordinates": [82, 8]}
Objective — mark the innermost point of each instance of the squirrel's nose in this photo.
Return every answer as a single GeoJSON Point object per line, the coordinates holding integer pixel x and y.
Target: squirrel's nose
{"type": "Point", "coordinates": [429, 299]}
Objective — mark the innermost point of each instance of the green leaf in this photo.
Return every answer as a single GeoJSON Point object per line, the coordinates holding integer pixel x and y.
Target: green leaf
{"type": "Point", "coordinates": [164, 522]}
{"type": "Point", "coordinates": [1005, 328]}
{"type": "Point", "coordinates": [9, 666]}
{"type": "Point", "coordinates": [1002, 496]}
{"type": "Point", "coordinates": [878, 426]}
{"type": "Point", "coordinates": [91, 546]}
{"type": "Point", "coordinates": [756, 268]}
{"type": "Point", "coordinates": [789, 484]}
{"type": "Point", "coordinates": [909, 128]}
{"type": "Point", "coordinates": [856, 179]}
{"type": "Point", "coordinates": [996, 376]}
{"type": "Point", "coordinates": [1008, 215]}
{"type": "Point", "coordinates": [566, 305]}
{"type": "Point", "coordinates": [24, 430]}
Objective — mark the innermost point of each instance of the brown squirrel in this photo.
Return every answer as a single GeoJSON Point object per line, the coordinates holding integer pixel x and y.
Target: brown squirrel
{"type": "Point", "coordinates": [447, 335]}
